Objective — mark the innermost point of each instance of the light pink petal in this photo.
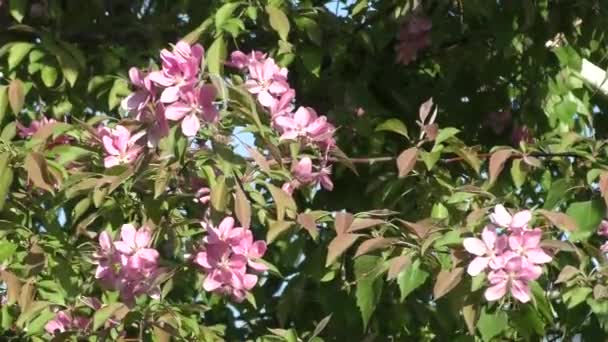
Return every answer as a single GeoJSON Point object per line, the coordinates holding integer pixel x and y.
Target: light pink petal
{"type": "Point", "coordinates": [501, 216]}
{"type": "Point", "coordinates": [211, 284]}
{"type": "Point", "coordinates": [494, 293]}
{"type": "Point", "coordinates": [253, 86]}
{"type": "Point", "coordinates": [159, 78]}
{"type": "Point", "coordinates": [516, 242]}
{"type": "Point", "coordinates": [202, 260]}
{"type": "Point", "coordinates": [531, 239]}
{"type": "Point", "coordinates": [226, 225]}
{"type": "Point", "coordinates": [143, 237]}
{"type": "Point", "coordinates": [148, 254]}
{"type": "Point", "coordinates": [538, 256]}
{"type": "Point", "coordinates": [303, 116]}
{"type": "Point", "coordinates": [127, 234]}
{"type": "Point", "coordinates": [105, 242]}
{"type": "Point", "coordinates": [286, 122]}
{"type": "Point", "coordinates": [176, 111]}
{"type": "Point", "coordinates": [249, 281]}
{"type": "Point", "coordinates": [190, 125]}
{"type": "Point", "coordinates": [108, 145]}
{"type": "Point", "coordinates": [521, 219]}
{"type": "Point", "coordinates": [520, 291]}
{"type": "Point", "coordinates": [477, 265]}
{"type": "Point", "coordinates": [266, 99]}
{"type": "Point", "coordinates": [170, 95]}
{"type": "Point", "coordinates": [207, 94]}
{"type": "Point", "coordinates": [123, 247]}
{"type": "Point", "coordinates": [290, 135]}
{"type": "Point", "coordinates": [110, 161]}
{"type": "Point", "coordinates": [258, 249]}
{"type": "Point", "coordinates": [475, 246]}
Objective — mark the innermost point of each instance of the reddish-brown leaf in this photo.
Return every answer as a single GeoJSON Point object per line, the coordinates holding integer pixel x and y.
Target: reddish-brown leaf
{"type": "Point", "coordinates": [343, 222]}
{"type": "Point", "coordinates": [373, 244]}
{"type": "Point", "coordinates": [26, 296]}
{"type": "Point", "coordinates": [363, 223]}
{"type": "Point", "coordinates": [558, 246]}
{"type": "Point", "coordinates": [13, 285]}
{"type": "Point", "coordinates": [406, 161]}
{"type": "Point", "coordinates": [560, 220]}
{"type": "Point", "coordinates": [339, 245]}
{"type": "Point", "coordinates": [497, 163]}
{"type": "Point", "coordinates": [420, 228]}
{"type": "Point", "coordinates": [447, 281]}
{"type": "Point", "coordinates": [308, 222]}
{"type": "Point", "coordinates": [242, 207]}
{"type": "Point", "coordinates": [37, 171]}
{"type": "Point", "coordinates": [397, 264]}
{"type": "Point", "coordinates": [425, 110]}
{"type": "Point", "coordinates": [16, 95]}
{"type": "Point", "coordinates": [259, 159]}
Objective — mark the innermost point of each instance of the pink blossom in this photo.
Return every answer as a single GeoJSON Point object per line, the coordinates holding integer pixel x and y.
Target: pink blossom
{"type": "Point", "coordinates": [120, 147]}
{"type": "Point", "coordinates": [267, 80]}
{"type": "Point", "coordinates": [303, 172]}
{"type": "Point", "coordinates": [487, 249]}
{"type": "Point", "coordinates": [63, 322]}
{"type": "Point", "coordinates": [283, 105]}
{"type": "Point", "coordinates": [203, 195]}
{"type": "Point", "coordinates": [414, 35]}
{"type": "Point", "coordinates": [526, 243]}
{"type": "Point", "coordinates": [136, 256]}
{"type": "Point", "coordinates": [240, 60]}
{"type": "Point", "coordinates": [107, 260]}
{"type": "Point", "coordinates": [502, 218]}
{"type": "Point", "coordinates": [192, 103]}
{"type": "Point", "coordinates": [29, 131]}
{"type": "Point", "coordinates": [144, 94]}
{"type": "Point", "coordinates": [513, 278]}
{"type": "Point", "coordinates": [305, 124]}
{"type": "Point", "coordinates": [226, 254]}
{"type": "Point", "coordinates": [603, 228]}
{"type": "Point", "coordinates": [180, 69]}
{"type": "Point", "coordinates": [289, 187]}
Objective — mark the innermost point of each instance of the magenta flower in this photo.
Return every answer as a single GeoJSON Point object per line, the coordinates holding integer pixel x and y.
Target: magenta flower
{"type": "Point", "coordinates": [120, 147]}
{"type": "Point", "coordinates": [192, 103]}
{"type": "Point", "coordinates": [513, 278]}
{"type": "Point", "coordinates": [502, 218]}
{"type": "Point", "coordinates": [107, 260]}
{"type": "Point", "coordinates": [36, 125]}
{"type": "Point", "coordinates": [487, 250]}
{"type": "Point", "coordinates": [414, 36]}
{"type": "Point", "coordinates": [136, 256]}
{"type": "Point", "coordinates": [144, 94]}
{"type": "Point", "coordinates": [240, 60]}
{"type": "Point", "coordinates": [224, 233]}
{"type": "Point", "coordinates": [203, 195]}
{"type": "Point", "coordinates": [526, 243]}
{"type": "Point", "coordinates": [305, 124]}
{"type": "Point", "coordinates": [303, 172]}
{"type": "Point", "coordinates": [180, 69]}
{"type": "Point", "coordinates": [283, 105]}
{"type": "Point", "coordinates": [252, 250]}
{"type": "Point", "coordinates": [63, 322]}
{"type": "Point", "coordinates": [267, 80]}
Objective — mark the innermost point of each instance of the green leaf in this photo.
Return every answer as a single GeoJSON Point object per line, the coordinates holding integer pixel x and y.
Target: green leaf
{"type": "Point", "coordinates": [102, 315]}
{"type": "Point", "coordinates": [6, 177]}
{"type": "Point", "coordinates": [491, 325]}
{"type": "Point", "coordinates": [224, 14]}
{"type": "Point", "coordinates": [216, 56]}
{"type": "Point", "coordinates": [557, 193]}
{"type": "Point", "coordinates": [17, 9]}
{"type": "Point", "coordinates": [276, 228]}
{"type": "Point", "coordinates": [311, 57]}
{"type": "Point", "coordinates": [49, 75]}
{"type": "Point", "coordinates": [576, 296]}
{"type": "Point", "coordinates": [283, 202]}
{"type": "Point", "coordinates": [219, 194]}
{"type": "Point", "coordinates": [369, 286]}
{"type": "Point", "coordinates": [411, 278]}
{"type": "Point", "coordinates": [588, 216]}
{"type": "Point", "coordinates": [311, 28]}
{"type": "Point", "coordinates": [527, 321]}
{"type": "Point", "coordinates": [393, 125]}
{"type": "Point", "coordinates": [565, 111]}
{"type": "Point", "coordinates": [278, 21]}
{"type": "Point", "coordinates": [119, 90]}
{"type": "Point", "coordinates": [3, 102]}
{"type": "Point", "coordinates": [541, 302]}
{"type": "Point", "coordinates": [6, 250]}
{"type": "Point", "coordinates": [16, 95]}
{"type": "Point", "coordinates": [445, 134]}
{"type": "Point", "coordinates": [360, 6]}
{"type": "Point", "coordinates": [17, 52]}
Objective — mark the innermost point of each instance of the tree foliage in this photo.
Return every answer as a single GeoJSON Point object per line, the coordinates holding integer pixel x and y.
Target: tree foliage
{"type": "Point", "coordinates": [303, 170]}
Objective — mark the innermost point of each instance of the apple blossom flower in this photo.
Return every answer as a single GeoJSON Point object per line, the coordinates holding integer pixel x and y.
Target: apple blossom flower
{"type": "Point", "coordinates": [502, 218]}
{"type": "Point", "coordinates": [305, 123]}
{"type": "Point", "coordinates": [240, 60]}
{"type": "Point", "coordinates": [29, 131]}
{"type": "Point", "coordinates": [487, 250]}
{"type": "Point", "coordinates": [144, 94]}
{"type": "Point", "coordinates": [64, 321]}
{"type": "Point", "coordinates": [192, 103]}
{"type": "Point", "coordinates": [267, 80]}
{"type": "Point", "coordinates": [514, 278]}
{"type": "Point", "coordinates": [180, 69]}
{"type": "Point", "coordinates": [414, 35]}
{"type": "Point", "coordinates": [136, 255]}
{"type": "Point", "coordinates": [119, 145]}
{"type": "Point", "coordinates": [283, 105]}
{"type": "Point", "coordinates": [526, 243]}
{"type": "Point", "coordinates": [303, 173]}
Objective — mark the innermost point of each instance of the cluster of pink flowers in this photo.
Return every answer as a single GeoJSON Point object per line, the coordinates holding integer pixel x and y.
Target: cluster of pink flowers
{"type": "Point", "coordinates": [226, 255]}
{"type": "Point", "coordinates": [128, 265]}
{"type": "Point", "coordinates": [269, 83]}
{"type": "Point", "coordinates": [509, 252]}
{"type": "Point", "coordinates": [29, 131]}
{"type": "Point", "coordinates": [65, 321]}
{"type": "Point", "coordinates": [414, 35]}
{"type": "Point", "coordinates": [173, 93]}
{"type": "Point", "coordinates": [119, 145]}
